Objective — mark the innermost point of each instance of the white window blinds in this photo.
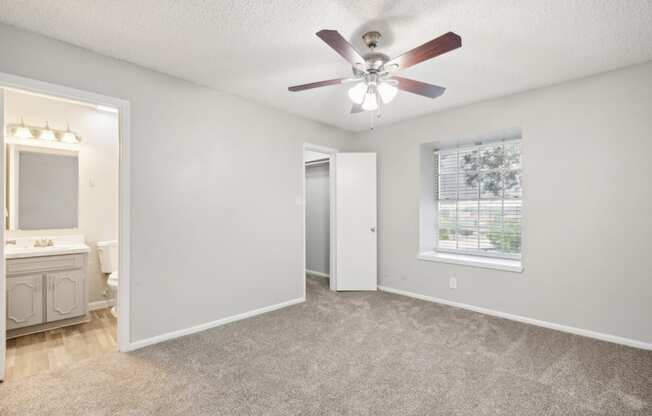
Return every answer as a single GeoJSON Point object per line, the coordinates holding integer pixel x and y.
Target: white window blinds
{"type": "Point", "coordinates": [478, 191]}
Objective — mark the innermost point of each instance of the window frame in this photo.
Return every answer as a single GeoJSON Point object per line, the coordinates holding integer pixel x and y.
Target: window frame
{"type": "Point", "coordinates": [470, 252]}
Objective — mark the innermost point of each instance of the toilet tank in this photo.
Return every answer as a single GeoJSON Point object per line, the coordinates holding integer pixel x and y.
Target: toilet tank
{"type": "Point", "coordinates": [108, 254]}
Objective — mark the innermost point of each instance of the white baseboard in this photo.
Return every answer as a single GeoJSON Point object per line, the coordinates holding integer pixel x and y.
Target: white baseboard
{"type": "Point", "coordinates": [545, 324]}
{"type": "Point", "coordinates": [208, 325]}
{"type": "Point", "coordinates": [320, 274]}
{"type": "Point", "coordinates": [100, 304]}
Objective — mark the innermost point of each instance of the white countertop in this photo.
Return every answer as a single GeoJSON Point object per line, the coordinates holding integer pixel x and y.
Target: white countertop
{"type": "Point", "coordinates": [23, 252]}
{"type": "Point", "coordinates": [24, 247]}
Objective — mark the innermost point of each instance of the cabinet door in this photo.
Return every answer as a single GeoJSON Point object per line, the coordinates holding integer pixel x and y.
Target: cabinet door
{"type": "Point", "coordinates": [66, 295]}
{"type": "Point", "coordinates": [24, 301]}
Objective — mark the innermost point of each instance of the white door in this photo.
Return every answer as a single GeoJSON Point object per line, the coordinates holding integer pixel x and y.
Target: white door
{"type": "Point", "coordinates": [355, 205]}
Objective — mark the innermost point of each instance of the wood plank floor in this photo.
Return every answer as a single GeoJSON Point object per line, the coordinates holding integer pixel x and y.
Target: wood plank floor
{"type": "Point", "coordinates": [38, 353]}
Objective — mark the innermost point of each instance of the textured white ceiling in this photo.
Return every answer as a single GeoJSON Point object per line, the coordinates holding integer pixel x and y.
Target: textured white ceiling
{"type": "Point", "coordinates": [257, 48]}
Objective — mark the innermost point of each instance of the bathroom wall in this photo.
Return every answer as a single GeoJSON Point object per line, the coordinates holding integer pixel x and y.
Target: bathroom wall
{"type": "Point", "coordinates": [98, 170]}
{"type": "Point", "coordinates": [204, 245]}
{"type": "Point", "coordinates": [318, 218]}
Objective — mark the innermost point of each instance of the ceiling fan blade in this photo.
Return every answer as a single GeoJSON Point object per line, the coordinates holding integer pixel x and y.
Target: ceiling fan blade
{"type": "Point", "coordinates": [317, 84]}
{"type": "Point", "coordinates": [356, 108]}
{"type": "Point", "coordinates": [340, 45]}
{"type": "Point", "coordinates": [428, 50]}
{"type": "Point", "coordinates": [418, 87]}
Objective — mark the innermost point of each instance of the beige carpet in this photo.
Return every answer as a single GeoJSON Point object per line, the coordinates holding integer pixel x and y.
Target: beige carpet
{"type": "Point", "coordinates": [352, 354]}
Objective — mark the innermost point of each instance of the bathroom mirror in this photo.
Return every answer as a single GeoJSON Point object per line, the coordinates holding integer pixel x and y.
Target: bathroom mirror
{"type": "Point", "coordinates": [43, 188]}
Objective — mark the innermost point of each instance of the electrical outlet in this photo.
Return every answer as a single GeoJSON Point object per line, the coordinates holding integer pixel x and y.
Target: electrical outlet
{"type": "Point", "coordinates": [452, 283]}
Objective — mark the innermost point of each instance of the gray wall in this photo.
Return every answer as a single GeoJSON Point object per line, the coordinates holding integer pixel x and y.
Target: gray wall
{"type": "Point", "coordinates": [587, 196]}
{"type": "Point", "coordinates": [317, 218]}
{"type": "Point", "coordinates": [201, 250]}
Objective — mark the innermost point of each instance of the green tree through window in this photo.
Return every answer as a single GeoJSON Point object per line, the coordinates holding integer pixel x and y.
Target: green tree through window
{"type": "Point", "coordinates": [479, 199]}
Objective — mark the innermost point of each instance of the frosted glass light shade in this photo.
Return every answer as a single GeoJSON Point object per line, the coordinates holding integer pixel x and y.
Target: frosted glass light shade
{"type": "Point", "coordinates": [23, 132]}
{"type": "Point", "coordinates": [69, 137]}
{"type": "Point", "coordinates": [357, 92]}
{"type": "Point", "coordinates": [387, 92]}
{"type": "Point", "coordinates": [370, 103]}
{"type": "Point", "coordinates": [47, 134]}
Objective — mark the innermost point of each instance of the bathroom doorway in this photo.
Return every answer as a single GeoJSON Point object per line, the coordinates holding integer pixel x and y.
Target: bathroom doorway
{"type": "Point", "coordinates": [319, 224]}
{"type": "Point", "coordinates": [64, 264]}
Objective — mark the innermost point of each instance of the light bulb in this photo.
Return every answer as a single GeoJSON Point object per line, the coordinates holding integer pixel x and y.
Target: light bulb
{"type": "Point", "coordinates": [47, 134]}
{"type": "Point", "coordinates": [387, 92]}
{"type": "Point", "coordinates": [22, 131]}
{"type": "Point", "coordinates": [357, 92]}
{"type": "Point", "coordinates": [370, 102]}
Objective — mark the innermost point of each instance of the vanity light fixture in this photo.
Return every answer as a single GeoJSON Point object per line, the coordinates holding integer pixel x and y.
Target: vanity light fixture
{"type": "Point", "coordinates": [69, 137]}
{"type": "Point", "coordinates": [47, 134]}
{"type": "Point", "coordinates": [32, 135]}
{"type": "Point", "coordinates": [22, 131]}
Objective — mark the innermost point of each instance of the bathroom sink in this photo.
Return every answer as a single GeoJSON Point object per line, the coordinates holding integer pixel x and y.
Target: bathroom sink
{"type": "Point", "coordinates": [24, 247]}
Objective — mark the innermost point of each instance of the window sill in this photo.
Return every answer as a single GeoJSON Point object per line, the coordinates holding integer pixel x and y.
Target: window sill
{"type": "Point", "coordinates": [473, 261]}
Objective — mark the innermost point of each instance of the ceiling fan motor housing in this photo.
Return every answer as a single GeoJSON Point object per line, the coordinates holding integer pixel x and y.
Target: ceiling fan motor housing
{"type": "Point", "coordinates": [373, 60]}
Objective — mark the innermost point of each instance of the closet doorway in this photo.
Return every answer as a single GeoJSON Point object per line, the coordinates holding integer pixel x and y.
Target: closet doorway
{"type": "Point", "coordinates": [319, 210]}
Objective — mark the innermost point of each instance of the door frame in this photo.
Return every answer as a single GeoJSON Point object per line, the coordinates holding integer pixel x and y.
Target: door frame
{"type": "Point", "coordinates": [14, 82]}
{"type": "Point", "coordinates": [331, 199]}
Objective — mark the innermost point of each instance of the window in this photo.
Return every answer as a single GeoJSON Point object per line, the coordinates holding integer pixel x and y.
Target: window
{"type": "Point", "coordinates": [478, 199]}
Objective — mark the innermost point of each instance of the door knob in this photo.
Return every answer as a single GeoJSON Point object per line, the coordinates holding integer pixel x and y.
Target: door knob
{"type": "Point", "coordinates": [372, 229]}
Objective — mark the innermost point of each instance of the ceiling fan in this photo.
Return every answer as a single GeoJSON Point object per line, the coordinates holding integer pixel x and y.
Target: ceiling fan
{"type": "Point", "coordinates": [375, 83]}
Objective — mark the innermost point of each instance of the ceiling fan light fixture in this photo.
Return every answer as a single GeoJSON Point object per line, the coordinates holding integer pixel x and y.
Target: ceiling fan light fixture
{"type": "Point", "coordinates": [357, 92]}
{"type": "Point", "coordinates": [387, 92]}
{"type": "Point", "coordinates": [370, 102]}
{"type": "Point", "coordinates": [391, 67]}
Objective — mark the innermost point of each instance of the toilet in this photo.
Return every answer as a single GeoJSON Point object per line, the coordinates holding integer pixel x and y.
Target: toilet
{"type": "Point", "coordinates": [108, 254]}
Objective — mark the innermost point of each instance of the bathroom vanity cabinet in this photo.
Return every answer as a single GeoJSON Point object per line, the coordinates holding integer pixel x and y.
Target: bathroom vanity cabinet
{"type": "Point", "coordinates": [45, 292]}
